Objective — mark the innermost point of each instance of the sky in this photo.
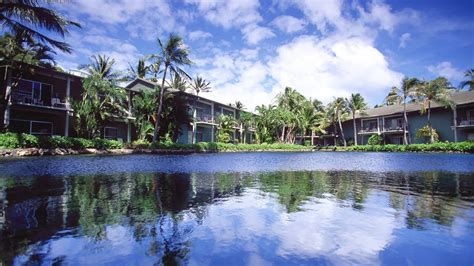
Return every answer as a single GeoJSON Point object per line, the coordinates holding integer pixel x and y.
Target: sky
{"type": "Point", "coordinates": [250, 50]}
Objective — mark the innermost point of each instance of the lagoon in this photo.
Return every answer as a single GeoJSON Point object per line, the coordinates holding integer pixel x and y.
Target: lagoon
{"type": "Point", "coordinates": [239, 208]}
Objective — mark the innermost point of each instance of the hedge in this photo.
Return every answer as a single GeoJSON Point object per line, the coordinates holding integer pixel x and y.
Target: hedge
{"type": "Point", "coordinates": [14, 140]}
{"type": "Point", "coordinates": [466, 146]}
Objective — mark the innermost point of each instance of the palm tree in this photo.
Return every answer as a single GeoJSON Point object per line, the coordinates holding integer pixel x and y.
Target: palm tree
{"type": "Point", "coordinates": [239, 105]}
{"type": "Point", "coordinates": [27, 18]}
{"type": "Point", "coordinates": [200, 85]}
{"type": "Point", "coordinates": [356, 104]}
{"type": "Point", "coordinates": [469, 82]}
{"type": "Point", "coordinates": [393, 97]}
{"type": "Point", "coordinates": [173, 54]}
{"type": "Point", "coordinates": [407, 90]}
{"type": "Point", "coordinates": [139, 71]}
{"type": "Point", "coordinates": [338, 110]}
{"type": "Point", "coordinates": [178, 83]}
{"type": "Point", "coordinates": [437, 90]}
{"type": "Point", "coordinates": [101, 66]}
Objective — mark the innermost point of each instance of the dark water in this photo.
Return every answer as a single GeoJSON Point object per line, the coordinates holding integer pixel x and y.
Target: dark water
{"type": "Point", "coordinates": [239, 209]}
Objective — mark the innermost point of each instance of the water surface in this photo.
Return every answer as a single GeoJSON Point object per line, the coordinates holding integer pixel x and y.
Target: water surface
{"type": "Point", "coordinates": [242, 208]}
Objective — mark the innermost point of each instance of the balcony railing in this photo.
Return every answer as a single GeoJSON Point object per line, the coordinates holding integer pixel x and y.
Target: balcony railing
{"type": "Point", "coordinates": [466, 122]}
{"type": "Point", "coordinates": [21, 98]}
{"type": "Point", "coordinates": [369, 130]}
{"type": "Point", "coordinates": [393, 128]}
{"type": "Point", "coordinates": [204, 118]}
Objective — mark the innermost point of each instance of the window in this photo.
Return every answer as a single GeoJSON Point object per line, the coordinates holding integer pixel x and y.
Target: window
{"type": "Point", "coordinates": [110, 133]}
{"type": "Point", "coordinates": [32, 92]}
{"type": "Point", "coordinates": [41, 128]}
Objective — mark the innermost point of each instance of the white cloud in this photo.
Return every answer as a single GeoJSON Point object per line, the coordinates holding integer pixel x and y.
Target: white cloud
{"type": "Point", "coordinates": [327, 68]}
{"type": "Point", "coordinates": [228, 13]}
{"type": "Point", "coordinates": [404, 38]}
{"type": "Point", "coordinates": [253, 33]}
{"type": "Point", "coordinates": [199, 35]}
{"type": "Point", "coordinates": [289, 24]}
{"type": "Point", "coordinates": [447, 70]}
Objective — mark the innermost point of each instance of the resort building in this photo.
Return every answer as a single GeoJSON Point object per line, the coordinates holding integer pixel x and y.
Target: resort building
{"type": "Point", "coordinates": [40, 104]}
{"type": "Point", "coordinates": [204, 127]}
{"type": "Point", "coordinates": [452, 125]}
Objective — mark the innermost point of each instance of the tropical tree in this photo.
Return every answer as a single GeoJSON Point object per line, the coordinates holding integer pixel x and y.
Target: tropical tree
{"type": "Point", "coordinates": [394, 97]}
{"type": "Point", "coordinates": [246, 120]}
{"type": "Point", "coordinates": [238, 105]}
{"type": "Point", "coordinates": [437, 90]}
{"type": "Point", "coordinates": [178, 83]}
{"type": "Point", "coordinates": [173, 54]}
{"type": "Point", "coordinates": [141, 70]}
{"type": "Point", "coordinates": [175, 114]}
{"type": "Point", "coordinates": [198, 85]}
{"type": "Point", "coordinates": [337, 110]}
{"type": "Point", "coordinates": [100, 102]}
{"type": "Point", "coordinates": [101, 67]}
{"type": "Point", "coordinates": [225, 124]}
{"type": "Point", "coordinates": [356, 104]}
{"type": "Point", "coordinates": [29, 19]}
{"type": "Point", "coordinates": [469, 82]}
{"type": "Point", "coordinates": [144, 106]}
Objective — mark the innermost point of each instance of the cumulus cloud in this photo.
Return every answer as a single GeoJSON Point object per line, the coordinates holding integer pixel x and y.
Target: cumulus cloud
{"type": "Point", "coordinates": [289, 24]}
{"type": "Point", "coordinates": [447, 70]}
{"type": "Point", "coordinates": [329, 68]}
{"type": "Point", "coordinates": [228, 13]}
{"type": "Point", "coordinates": [199, 35]}
{"type": "Point", "coordinates": [253, 33]}
{"type": "Point", "coordinates": [404, 38]}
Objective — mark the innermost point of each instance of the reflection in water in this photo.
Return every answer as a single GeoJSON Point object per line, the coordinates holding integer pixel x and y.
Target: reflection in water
{"type": "Point", "coordinates": [277, 217]}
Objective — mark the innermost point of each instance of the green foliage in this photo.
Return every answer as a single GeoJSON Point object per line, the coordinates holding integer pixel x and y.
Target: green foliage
{"type": "Point", "coordinates": [465, 147]}
{"type": "Point", "coordinates": [14, 140]}
{"type": "Point", "coordinates": [375, 140]}
{"type": "Point", "coordinates": [9, 141]}
{"type": "Point", "coordinates": [225, 128]}
{"type": "Point", "coordinates": [107, 144]}
{"type": "Point", "coordinates": [425, 135]}
{"type": "Point", "coordinates": [140, 144]}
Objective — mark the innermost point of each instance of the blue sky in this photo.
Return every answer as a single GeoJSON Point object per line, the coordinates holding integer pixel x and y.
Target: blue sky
{"type": "Point", "coordinates": [250, 49]}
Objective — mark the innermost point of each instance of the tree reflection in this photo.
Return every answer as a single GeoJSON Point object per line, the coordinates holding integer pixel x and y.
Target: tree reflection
{"type": "Point", "coordinates": [162, 209]}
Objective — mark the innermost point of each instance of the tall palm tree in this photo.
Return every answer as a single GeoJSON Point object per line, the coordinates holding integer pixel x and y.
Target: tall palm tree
{"type": "Point", "coordinates": [338, 110]}
{"type": "Point", "coordinates": [239, 105]}
{"type": "Point", "coordinates": [29, 19]}
{"type": "Point", "coordinates": [407, 90]}
{"type": "Point", "coordinates": [102, 67]}
{"type": "Point", "coordinates": [469, 82]}
{"type": "Point", "coordinates": [393, 97]}
{"type": "Point", "coordinates": [198, 85]}
{"type": "Point", "coordinates": [173, 54]}
{"type": "Point", "coordinates": [356, 104]}
{"type": "Point", "coordinates": [437, 90]}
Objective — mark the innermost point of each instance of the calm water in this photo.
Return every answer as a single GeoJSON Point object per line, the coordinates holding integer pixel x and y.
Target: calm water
{"type": "Point", "coordinates": [242, 208]}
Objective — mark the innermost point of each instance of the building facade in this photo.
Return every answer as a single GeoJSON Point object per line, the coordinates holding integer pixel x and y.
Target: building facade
{"type": "Point", "coordinates": [40, 104]}
{"type": "Point", "coordinates": [452, 124]}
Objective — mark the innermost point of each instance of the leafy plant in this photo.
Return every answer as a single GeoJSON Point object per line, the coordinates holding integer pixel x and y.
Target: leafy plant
{"type": "Point", "coordinates": [375, 140]}
{"type": "Point", "coordinates": [427, 134]}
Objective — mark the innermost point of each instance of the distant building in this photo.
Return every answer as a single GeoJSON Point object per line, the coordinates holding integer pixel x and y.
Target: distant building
{"type": "Point", "coordinates": [451, 124]}
{"type": "Point", "coordinates": [40, 105]}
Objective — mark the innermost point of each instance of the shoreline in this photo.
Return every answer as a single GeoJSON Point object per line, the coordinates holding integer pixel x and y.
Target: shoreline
{"type": "Point", "coordinates": [35, 152]}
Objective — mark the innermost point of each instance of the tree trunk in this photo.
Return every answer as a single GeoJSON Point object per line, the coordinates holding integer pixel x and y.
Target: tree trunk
{"type": "Point", "coordinates": [429, 123]}
{"type": "Point", "coordinates": [405, 122]}
{"type": "Point", "coordinates": [342, 131]}
{"type": "Point", "coordinates": [283, 134]}
{"type": "Point", "coordinates": [160, 107]}
{"type": "Point", "coordinates": [355, 128]}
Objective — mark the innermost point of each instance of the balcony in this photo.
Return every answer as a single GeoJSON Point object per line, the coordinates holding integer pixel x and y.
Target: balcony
{"type": "Point", "coordinates": [465, 122]}
{"type": "Point", "coordinates": [205, 118]}
{"type": "Point", "coordinates": [28, 99]}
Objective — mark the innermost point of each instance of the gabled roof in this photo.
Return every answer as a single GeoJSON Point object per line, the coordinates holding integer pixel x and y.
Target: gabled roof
{"type": "Point", "coordinates": [459, 98]}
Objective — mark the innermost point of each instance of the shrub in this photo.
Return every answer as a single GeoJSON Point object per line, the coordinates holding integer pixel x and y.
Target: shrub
{"type": "Point", "coordinates": [107, 144]}
{"type": "Point", "coordinates": [80, 143]}
{"type": "Point", "coordinates": [375, 140]}
{"type": "Point", "coordinates": [28, 141]}
{"type": "Point", "coordinates": [56, 142]}
{"type": "Point", "coordinates": [140, 144]}
{"type": "Point", "coordinates": [424, 134]}
{"type": "Point", "coordinates": [9, 141]}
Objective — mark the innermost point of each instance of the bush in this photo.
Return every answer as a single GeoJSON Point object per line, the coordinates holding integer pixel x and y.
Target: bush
{"type": "Point", "coordinates": [107, 144]}
{"type": "Point", "coordinates": [28, 141]}
{"type": "Point", "coordinates": [140, 144]}
{"type": "Point", "coordinates": [9, 141]}
{"type": "Point", "coordinates": [375, 140]}
{"type": "Point", "coordinates": [423, 134]}
{"type": "Point", "coordinates": [80, 143]}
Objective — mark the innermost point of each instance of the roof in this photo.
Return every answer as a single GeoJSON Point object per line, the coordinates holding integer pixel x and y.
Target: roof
{"type": "Point", "coordinates": [139, 84]}
{"type": "Point", "coordinates": [459, 98]}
